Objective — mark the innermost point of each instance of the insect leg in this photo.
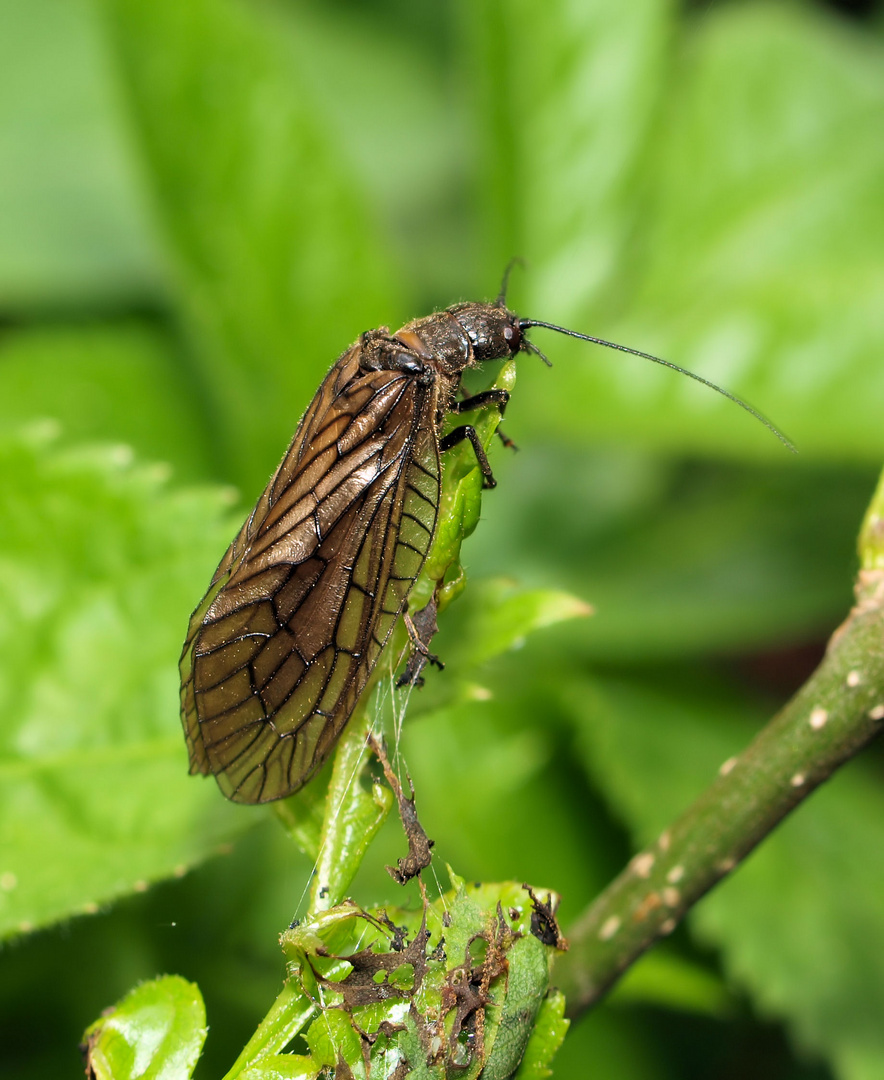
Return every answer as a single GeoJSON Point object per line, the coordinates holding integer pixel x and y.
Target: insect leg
{"type": "Point", "coordinates": [467, 431]}
{"type": "Point", "coordinates": [497, 397]}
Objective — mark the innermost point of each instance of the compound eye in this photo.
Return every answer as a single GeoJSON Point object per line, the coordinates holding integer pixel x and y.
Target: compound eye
{"type": "Point", "coordinates": [512, 335]}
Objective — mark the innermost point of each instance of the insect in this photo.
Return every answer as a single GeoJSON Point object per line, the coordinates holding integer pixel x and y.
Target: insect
{"type": "Point", "coordinates": [303, 602]}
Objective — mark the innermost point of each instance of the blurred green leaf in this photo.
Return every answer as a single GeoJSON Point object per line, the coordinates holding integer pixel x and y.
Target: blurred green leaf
{"type": "Point", "coordinates": [120, 381]}
{"type": "Point", "coordinates": [871, 535]}
{"type": "Point", "coordinates": [493, 795]}
{"type": "Point", "coordinates": [506, 614]}
{"type": "Point", "coordinates": [801, 924]}
{"type": "Point", "coordinates": [73, 226]}
{"type": "Point", "coordinates": [155, 1033]}
{"type": "Point", "coordinates": [662, 977]}
{"type": "Point", "coordinates": [762, 258]}
{"type": "Point", "coordinates": [559, 138]}
{"type": "Point", "coordinates": [612, 1043]}
{"type": "Point", "coordinates": [277, 261]}
{"type": "Point", "coordinates": [98, 563]}
{"type": "Point", "coordinates": [676, 558]}
{"type": "Point", "coordinates": [380, 88]}
{"type": "Point", "coordinates": [721, 211]}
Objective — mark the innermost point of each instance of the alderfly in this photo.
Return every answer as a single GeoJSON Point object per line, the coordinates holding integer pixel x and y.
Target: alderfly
{"type": "Point", "coordinates": [301, 606]}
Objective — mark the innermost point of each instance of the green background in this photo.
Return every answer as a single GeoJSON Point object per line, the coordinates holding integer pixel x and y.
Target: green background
{"type": "Point", "coordinates": [201, 204]}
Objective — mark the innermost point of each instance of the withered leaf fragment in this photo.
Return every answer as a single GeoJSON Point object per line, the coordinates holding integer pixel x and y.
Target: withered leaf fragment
{"type": "Point", "coordinates": [420, 845]}
{"type": "Point", "coordinates": [544, 925]}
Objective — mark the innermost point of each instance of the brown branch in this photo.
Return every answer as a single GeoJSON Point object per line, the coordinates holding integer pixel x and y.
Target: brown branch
{"type": "Point", "coordinates": [835, 714]}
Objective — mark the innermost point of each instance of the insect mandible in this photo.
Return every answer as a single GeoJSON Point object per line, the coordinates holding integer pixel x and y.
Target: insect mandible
{"type": "Point", "coordinates": [302, 604]}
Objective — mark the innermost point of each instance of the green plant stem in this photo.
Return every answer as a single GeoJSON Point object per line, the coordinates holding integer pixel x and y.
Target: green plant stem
{"type": "Point", "coordinates": [352, 816]}
{"type": "Point", "coordinates": [834, 715]}
{"type": "Point", "coordinates": [289, 1013]}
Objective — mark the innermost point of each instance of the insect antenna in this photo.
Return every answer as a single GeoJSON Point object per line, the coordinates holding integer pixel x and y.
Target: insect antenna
{"type": "Point", "coordinates": [526, 324]}
{"type": "Point", "coordinates": [530, 347]}
{"type": "Point", "coordinates": [517, 260]}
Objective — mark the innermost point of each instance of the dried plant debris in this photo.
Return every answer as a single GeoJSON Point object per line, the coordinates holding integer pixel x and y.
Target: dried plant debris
{"type": "Point", "coordinates": [544, 925]}
{"type": "Point", "coordinates": [422, 627]}
{"type": "Point", "coordinates": [451, 989]}
{"type": "Point", "coordinates": [419, 854]}
{"type": "Point", "coordinates": [343, 1070]}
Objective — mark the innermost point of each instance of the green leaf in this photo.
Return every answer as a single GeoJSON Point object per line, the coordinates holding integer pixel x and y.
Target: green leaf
{"type": "Point", "coordinates": [272, 243]}
{"type": "Point", "coordinates": [676, 558]}
{"type": "Point", "coordinates": [506, 614]}
{"type": "Point", "coordinates": [662, 977]}
{"type": "Point", "coordinates": [262, 1056]}
{"type": "Point", "coordinates": [761, 261]}
{"type": "Point", "coordinates": [99, 564]}
{"type": "Point", "coordinates": [561, 137]}
{"type": "Point", "coordinates": [800, 925]}
{"type": "Point", "coordinates": [493, 794]}
{"type": "Point", "coordinates": [374, 102]}
{"type": "Point", "coordinates": [871, 537]}
{"type": "Point", "coordinates": [107, 381]}
{"type": "Point", "coordinates": [614, 1043]}
{"type": "Point", "coordinates": [713, 201]}
{"type": "Point", "coordinates": [399, 974]}
{"type": "Point", "coordinates": [527, 983]}
{"type": "Point", "coordinates": [550, 1029]}
{"type": "Point", "coordinates": [282, 1067]}
{"type": "Point", "coordinates": [155, 1033]}
{"type": "Point", "coordinates": [74, 229]}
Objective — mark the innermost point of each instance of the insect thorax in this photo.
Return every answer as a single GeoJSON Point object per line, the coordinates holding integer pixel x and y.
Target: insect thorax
{"type": "Point", "coordinates": [443, 345]}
